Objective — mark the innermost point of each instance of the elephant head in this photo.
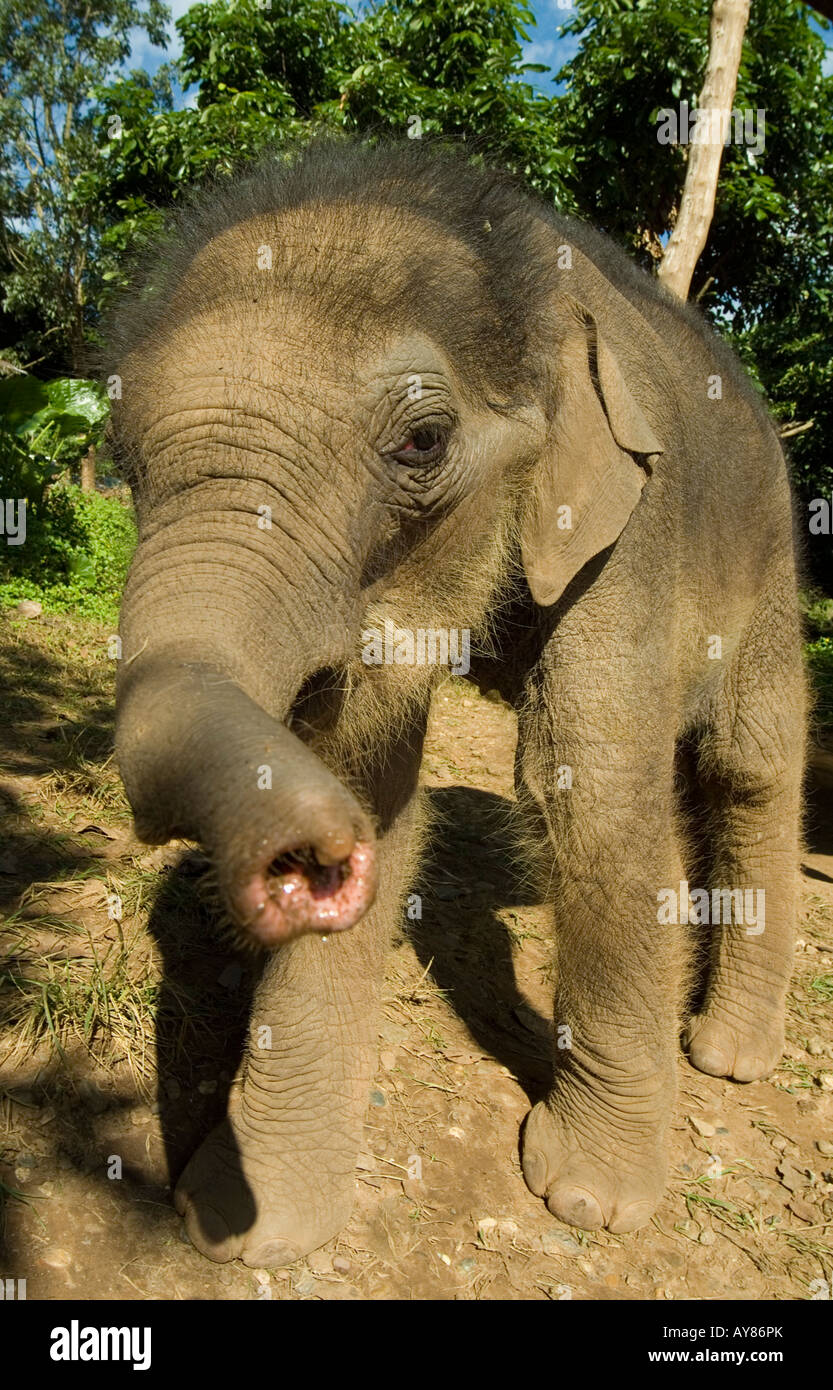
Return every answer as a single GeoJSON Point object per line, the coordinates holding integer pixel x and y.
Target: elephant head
{"type": "Point", "coordinates": [359, 389]}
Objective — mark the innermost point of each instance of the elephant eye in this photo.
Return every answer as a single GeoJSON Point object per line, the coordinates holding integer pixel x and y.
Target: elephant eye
{"type": "Point", "coordinates": [425, 444]}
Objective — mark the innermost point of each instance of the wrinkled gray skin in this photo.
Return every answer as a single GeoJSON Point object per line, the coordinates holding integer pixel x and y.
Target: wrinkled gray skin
{"type": "Point", "coordinates": [429, 372]}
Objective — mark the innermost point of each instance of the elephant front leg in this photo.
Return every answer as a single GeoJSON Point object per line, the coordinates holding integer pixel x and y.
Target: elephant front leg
{"type": "Point", "coordinates": [595, 1148]}
{"type": "Point", "coordinates": [276, 1179]}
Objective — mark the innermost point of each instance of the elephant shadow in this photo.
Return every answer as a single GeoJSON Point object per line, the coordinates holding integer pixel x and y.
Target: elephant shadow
{"type": "Point", "coordinates": [205, 1001]}
{"type": "Point", "coordinates": [469, 876]}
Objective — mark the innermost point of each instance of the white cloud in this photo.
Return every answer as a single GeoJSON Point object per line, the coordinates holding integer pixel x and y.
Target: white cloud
{"type": "Point", "coordinates": [549, 11]}
{"type": "Point", "coordinates": [540, 52]}
{"type": "Point", "coordinates": [144, 54]}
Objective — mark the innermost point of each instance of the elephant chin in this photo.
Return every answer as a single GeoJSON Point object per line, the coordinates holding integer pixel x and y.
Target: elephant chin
{"type": "Point", "coordinates": [296, 893]}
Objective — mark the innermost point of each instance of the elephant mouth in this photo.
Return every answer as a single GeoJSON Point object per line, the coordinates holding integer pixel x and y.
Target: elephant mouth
{"type": "Point", "coordinates": [296, 893]}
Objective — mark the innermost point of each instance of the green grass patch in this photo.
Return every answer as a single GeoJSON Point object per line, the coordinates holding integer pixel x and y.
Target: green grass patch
{"type": "Point", "coordinates": [75, 557]}
{"type": "Point", "coordinates": [822, 986]}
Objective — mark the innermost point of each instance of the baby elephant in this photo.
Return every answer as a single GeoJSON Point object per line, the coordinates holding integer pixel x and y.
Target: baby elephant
{"type": "Point", "coordinates": [378, 404]}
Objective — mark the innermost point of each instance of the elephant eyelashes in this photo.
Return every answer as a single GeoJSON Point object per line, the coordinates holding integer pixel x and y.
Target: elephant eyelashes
{"type": "Point", "coordinates": [425, 444]}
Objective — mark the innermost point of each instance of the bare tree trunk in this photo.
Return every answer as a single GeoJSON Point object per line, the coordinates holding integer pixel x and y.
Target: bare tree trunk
{"type": "Point", "coordinates": [88, 470]}
{"type": "Point", "coordinates": [685, 246]}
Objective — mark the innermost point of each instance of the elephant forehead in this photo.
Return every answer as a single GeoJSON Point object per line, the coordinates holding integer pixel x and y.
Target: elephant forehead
{"type": "Point", "coordinates": [376, 250]}
{"type": "Point", "coordinates": [326, 284]}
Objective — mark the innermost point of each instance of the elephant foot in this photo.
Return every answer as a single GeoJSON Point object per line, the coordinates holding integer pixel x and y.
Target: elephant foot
{"type": "Point", "coordinates": [592, 1180]}
{"type": "Point", "coordinates": [721, 1044]}
{"type": "Point", "coordinates": [242, 1200]}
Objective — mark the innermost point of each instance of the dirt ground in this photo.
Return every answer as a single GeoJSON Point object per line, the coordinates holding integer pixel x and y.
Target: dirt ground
{"type": "Point", "coordinates": [100, 936]}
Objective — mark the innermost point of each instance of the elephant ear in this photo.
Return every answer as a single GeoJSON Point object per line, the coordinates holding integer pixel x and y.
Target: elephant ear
{"type": "Point", "coordinates": [588, 480]}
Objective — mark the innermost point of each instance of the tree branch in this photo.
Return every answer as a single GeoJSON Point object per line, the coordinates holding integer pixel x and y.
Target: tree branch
{"type": "Point", "coordinates": [791, 428]}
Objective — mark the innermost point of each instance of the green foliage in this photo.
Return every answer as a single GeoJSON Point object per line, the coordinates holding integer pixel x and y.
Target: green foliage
{"type": "Point", "coordinates": [795, 368]}
{"type": "Point", "coordinates": [52, 53]}
{"type": "Point", "coordinates": [764, 278]}
{"type": "Point", "coordinates": [76, 555]}
{"type": "Point", "coordinates": [294, 66]}
{"type": "Point", "coordinates": [458, 68]}
{"type": "Point", "coordinates": [295, 49]}
{"type": "Point", "coordinates": [773, 213]}
{"type": "Point", "coordinates": [71, 412]}
{"type": "Point", "coordinates": [77, 544]}
{"type": "Point", "coordinates": [45, 426]}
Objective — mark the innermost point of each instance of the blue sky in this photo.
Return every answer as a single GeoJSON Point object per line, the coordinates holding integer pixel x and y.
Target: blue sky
{"type": "Point", "coordinates": [545, 46]}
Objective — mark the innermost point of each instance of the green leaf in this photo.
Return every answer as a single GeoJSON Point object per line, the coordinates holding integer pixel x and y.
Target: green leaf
{"type": "Point", "coordinates": [23, 404]}
{"type": "Point", "coordinates": [76, 404]}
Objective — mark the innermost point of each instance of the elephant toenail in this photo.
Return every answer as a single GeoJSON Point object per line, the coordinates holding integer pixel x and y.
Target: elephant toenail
{"type": "Point", "coordinates": [711, 1060]}
{"type": "Point", "coordinates": [577, 1207]}
{"type": "Point", "coordinates": [535, 1171]}
{"type": "Point", "coordinates": [631, 1217]}
{"type": "Point", "coordinates": [271, 1254]}
{"type": "Point", "coordinates": [207, 1229]}
{"type": "Point", "coordinates": [750, 1069]}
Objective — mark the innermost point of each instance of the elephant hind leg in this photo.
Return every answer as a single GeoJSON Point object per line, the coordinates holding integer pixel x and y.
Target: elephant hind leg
{"type": "Point", "coordinates": [751, 766]}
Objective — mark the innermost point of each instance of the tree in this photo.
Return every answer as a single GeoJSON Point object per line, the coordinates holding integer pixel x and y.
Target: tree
{"type": "Point", "coordinates": [53, 52]}
{"type": "Point", "coordinates": [691, 229]}
{"type": "Point", "coordinates": [414, 67]}
{"type": "Point", "coordinates": [764, 275]}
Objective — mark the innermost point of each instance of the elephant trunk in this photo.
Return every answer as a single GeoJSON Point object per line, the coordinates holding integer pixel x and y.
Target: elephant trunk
{"type": "Point", "coordinates": [200, 759]}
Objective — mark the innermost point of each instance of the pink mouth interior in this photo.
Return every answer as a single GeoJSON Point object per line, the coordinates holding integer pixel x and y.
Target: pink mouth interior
{"type": "Point", "coordinates": [295, 894]}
